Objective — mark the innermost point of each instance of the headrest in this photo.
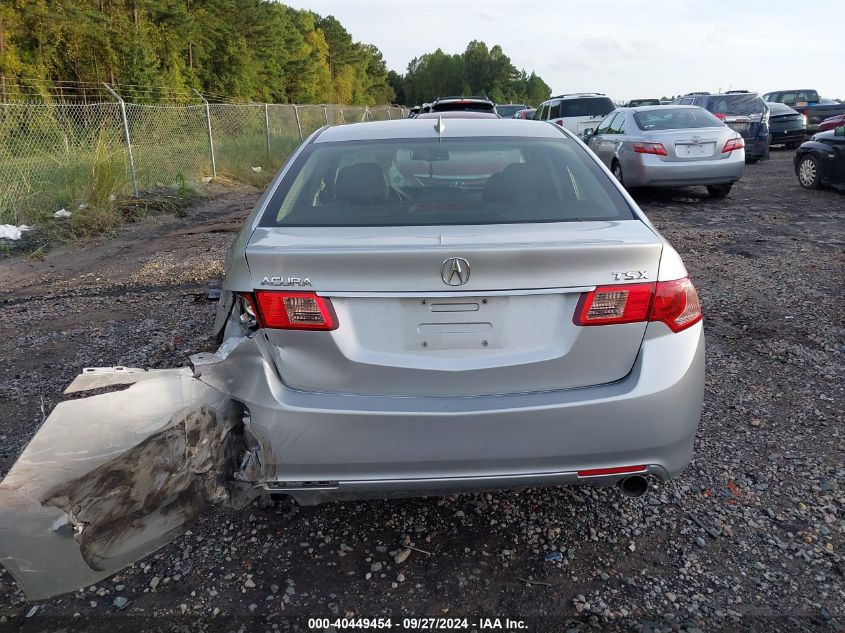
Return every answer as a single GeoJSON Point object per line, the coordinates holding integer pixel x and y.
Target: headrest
{"type": "Point", "coordinates": [362, 182]}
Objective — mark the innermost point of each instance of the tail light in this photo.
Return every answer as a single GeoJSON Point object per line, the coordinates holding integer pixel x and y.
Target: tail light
{"type": "Point", "coordinates": [675, 303]}
{"type": "Point", "coordinates": [720, 115]}
{"type": "Point", "coordinates": [732, 144]}
{"type": "Point", "coordinates": [294, 311]}
{"type": "Point", "coordinates": [650, 148]}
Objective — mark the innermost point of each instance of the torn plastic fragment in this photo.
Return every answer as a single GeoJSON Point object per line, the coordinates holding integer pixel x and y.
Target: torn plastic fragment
{"type": "Point", "coordinates": [111, 478]}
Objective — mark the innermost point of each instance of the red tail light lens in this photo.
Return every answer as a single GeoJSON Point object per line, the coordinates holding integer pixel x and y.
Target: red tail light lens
{"type": "Point", "coordinates": [720, 115]}
{"type": "Point", "coordinates": [650, 148]}
{"type": "Point", "coordinates": [732, 144]}
{"type": "Point", "coordinates": [607, 305]}
{"type": "Point", "coordinates": [675, 303]}
{"type": "Point", "coordinates": [294, 311]}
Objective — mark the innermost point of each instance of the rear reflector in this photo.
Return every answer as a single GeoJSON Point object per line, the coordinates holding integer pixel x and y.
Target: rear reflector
{"type": "Point", "coordinates": [732, 144]}
{"type": "Point", "coordinates": [675, 303]}
{"type": "Point", "coordinates": [617, 470]}
{"type": "Point", "coordinates": [650, 148]}
{"type": "Point", "coordinates": [294, 311]}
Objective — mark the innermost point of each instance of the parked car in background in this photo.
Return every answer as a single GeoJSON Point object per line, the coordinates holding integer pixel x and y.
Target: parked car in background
{"type": "Point", "coordinates": [831, 123]}
{"type": "Point", "coordinates": [476, 104]}
{"type": "Point", "coordinates": [821, 160]}
{"type": "Point", "coordinates": [575, 112]}
{"type": "Point", "coordinates": [787, 126]}
{"type": "Point", "coordinates": [507, 110]}
{"type": "Point", "coordinates": [669, 146]}
{"type": "Point", "coordinates": [459, 114]}
{"type": "Point", "coordinates": [744, 112]}
{"type": "Point", "coordinates": [426, 107]}
{"type": "Point", "coordinates": [633, 103]}
{"type": "Point", "coordinates": [414, 112]}
{"type": "Point", "coordinates": [525, 114]}
{"type": "Point", "coordinates": [808, 102]}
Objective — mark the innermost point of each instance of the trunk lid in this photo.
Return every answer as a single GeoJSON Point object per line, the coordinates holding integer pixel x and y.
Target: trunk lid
{"type": "Point", "coordinates": [692, 144]}
{"type": "Point", "coordinates": [404, 331]}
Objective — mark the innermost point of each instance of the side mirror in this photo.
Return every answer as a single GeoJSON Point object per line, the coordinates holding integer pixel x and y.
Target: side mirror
{"type": "Point", "coordinates": [839, 131]}
{"type": "Point", "coordinates": [587, 134]}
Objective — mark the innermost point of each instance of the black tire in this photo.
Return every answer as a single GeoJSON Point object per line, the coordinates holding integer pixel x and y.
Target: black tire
{"type": "Point", "coordinates": [792, 145]}
{"type": "Point", "coordinates": [809, 172]}
{"type": "Point", "coordinates": [719, 191]}
{"type": "Point", "coordinates": [616, 168]}
{"type": "Point", "coordinates": [750, 160]}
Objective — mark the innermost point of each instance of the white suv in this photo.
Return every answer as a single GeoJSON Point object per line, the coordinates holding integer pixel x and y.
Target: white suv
{"type": "Point", "coordinates": [575, 112]}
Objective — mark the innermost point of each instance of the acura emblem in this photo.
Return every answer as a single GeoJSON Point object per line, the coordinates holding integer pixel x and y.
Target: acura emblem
{"type": "Point", "coordinates": [696, 139]}
{"type": "Point", "coordinates": [455, 271]}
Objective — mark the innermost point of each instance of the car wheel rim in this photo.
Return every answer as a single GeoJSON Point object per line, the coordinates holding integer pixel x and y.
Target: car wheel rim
{"type": "Point", "coordinates": [807, 172]}
{"type": "Point", "coordinates": [617, 173]}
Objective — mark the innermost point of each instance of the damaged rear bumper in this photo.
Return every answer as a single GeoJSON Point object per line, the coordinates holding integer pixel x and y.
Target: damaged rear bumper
{"type": "Point", "coordinates": [112, 477]}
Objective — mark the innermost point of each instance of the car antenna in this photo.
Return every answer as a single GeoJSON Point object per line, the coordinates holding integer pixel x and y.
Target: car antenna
{"type": "Point", "coordinates": [439, 127]}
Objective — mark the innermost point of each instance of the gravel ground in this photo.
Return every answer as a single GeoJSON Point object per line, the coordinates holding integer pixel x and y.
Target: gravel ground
{"type": "Point", "coordinates": [750, 538]}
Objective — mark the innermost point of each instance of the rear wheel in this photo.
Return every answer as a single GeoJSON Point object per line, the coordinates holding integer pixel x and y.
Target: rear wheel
{"type": "Point", "coordinates": [808, 172]}
{"type": "Point", "coordinates": [751, 159]}
{"type": "Point", "coordinates": [617, 172]}
{"type": "Point", "coordinates": [719, 191]}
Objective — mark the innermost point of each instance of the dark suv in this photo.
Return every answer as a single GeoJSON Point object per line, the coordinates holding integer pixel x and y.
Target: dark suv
{"type": "Point", "coordinates": [744, 112]}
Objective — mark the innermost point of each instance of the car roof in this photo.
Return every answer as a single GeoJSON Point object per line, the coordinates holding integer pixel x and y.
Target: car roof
{"type": "Point", "coordinates": [424, 128]}
{"type": "Point", "coordinates": [775, 105]}
{"type": "Point", "coordinates": [460, 114]}
{"type": "Point", "coordinates": [578, 95]}
{"type": "Point", "coordinates": [662, 108]}
{"type": "Point", "coordinates": [730, 94]}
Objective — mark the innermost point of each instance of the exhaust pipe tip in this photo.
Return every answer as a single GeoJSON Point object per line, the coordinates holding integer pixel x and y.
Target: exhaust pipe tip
{"type": "Point", "coordinates": [634, 486]}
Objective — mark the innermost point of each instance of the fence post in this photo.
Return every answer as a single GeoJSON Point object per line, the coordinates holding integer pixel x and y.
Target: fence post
{"type": "Point", "coordinates": [126, 139]}
{"type": "Point", "coordinates": [389, 117]}
{"type": "Point", "coordinates": [267, 130]}
{"type": "Point", "coordinates": [366, 113]}
{"type": "Point", "coordinates": [326, 114]}
{"type": "Point", "coordinates": [298, 124]}
{"type": "Point", "coordinates": [210, 137]}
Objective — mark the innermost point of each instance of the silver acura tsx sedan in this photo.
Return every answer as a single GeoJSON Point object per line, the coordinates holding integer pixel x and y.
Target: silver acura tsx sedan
{"type": "Point", "coordinates": [413, 307]}
{"type": "Point", "coordinates": [669, 146]}
{"type": "Point", "coordinates": [462, 304]}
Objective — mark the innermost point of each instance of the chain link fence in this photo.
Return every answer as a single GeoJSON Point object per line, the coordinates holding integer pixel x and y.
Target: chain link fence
{"type": "Point", "coordinates": [55, 156]}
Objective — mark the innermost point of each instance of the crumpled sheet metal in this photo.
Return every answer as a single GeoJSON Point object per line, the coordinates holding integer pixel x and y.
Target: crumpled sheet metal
{"type": "Point", "coordinates": [111, 478]}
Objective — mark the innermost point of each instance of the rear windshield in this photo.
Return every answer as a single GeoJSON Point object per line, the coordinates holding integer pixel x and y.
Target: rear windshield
{"type": "Point", "coordinates": [414, 182]}
{"type": "Point", "coordinates": [449, 106]}
{"type": "Point", "coordinates": [667, 118]}
{"type": "Point", "coordinates": [740, 104]}
{"type": "Point", "coordinates": [507, 111]}
{"type": "Point", "coordinates": [587, 106]}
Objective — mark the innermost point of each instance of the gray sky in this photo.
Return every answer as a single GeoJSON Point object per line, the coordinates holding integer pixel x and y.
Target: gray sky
{"type": "Point", "coordinates": [624, 48]}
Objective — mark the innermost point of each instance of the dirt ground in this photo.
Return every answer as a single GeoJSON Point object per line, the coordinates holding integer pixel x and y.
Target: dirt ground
{"type": "Point", "coordinates": [750, 538]}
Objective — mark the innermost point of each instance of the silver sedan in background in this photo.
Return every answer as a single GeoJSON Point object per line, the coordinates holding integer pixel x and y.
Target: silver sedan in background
{"type": "Point", "coordinates": [678, 146]}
